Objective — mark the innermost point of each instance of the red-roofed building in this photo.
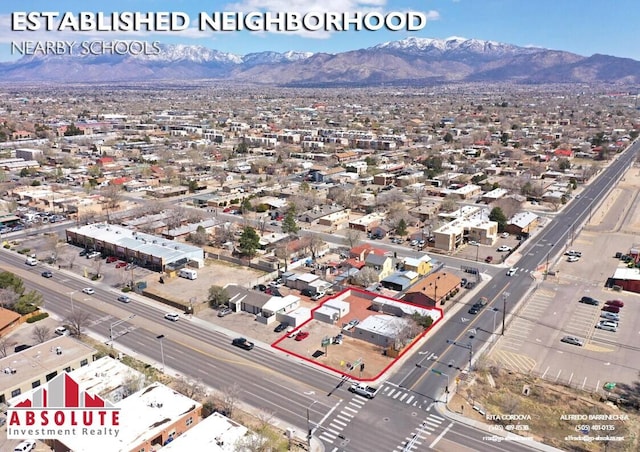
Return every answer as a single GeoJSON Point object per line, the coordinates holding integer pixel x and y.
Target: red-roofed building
{"type": "Point", "coordinates": [102, 161]}
{"type": "Point", "coordinates": [565, 153]}
{"type": "Point", "coordinates": [119, 180]}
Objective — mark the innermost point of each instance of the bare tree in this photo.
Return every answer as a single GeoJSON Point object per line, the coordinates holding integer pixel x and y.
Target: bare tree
{"type": "Point", "coordinates": [41, 333]}
{"type": "Point", "coordinates": [449, 204]}
{"type": "Point", "coordinates": [315, 245]}
{"type": "Point", "coordinates": [229, 399]}
{"type": "Point", "coordinates": [5, 343]}
{"type": "Point", "coordinates": [51, 245]}
{"type": "Point", "coordinates": [365, 277]}
{"type": "Point", "coordinates": [283, 251]}
{"type": "Point", "coordinates": [352, 237]}
{"type": "Point", "coordinates": [193, 390]}
{"type": "Point", "coordinates": [200, 237]}
{"type": "Point", "coordinates": [173, 217]}
{"type": "Point", "coordinates": [8, 297]}
{"type": "Point", "coordinates": [510, 206]}
{"type": "Point", "coordinates": [112, 194]}
{"type": "Point", "coordinates": [132, 384]}
{"type": "Point", "coordinates": [78, 321]}
{"type": "Point", "coordinates": [224, 233]}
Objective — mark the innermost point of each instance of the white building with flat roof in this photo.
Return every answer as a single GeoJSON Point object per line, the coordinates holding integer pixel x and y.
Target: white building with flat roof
{"type": "Point", "coordinates": [146, 250]}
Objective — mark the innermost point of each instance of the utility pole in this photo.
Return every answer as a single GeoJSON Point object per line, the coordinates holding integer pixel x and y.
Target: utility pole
{"type": "Point", "coordinates": [504, 310]}
{"type": "Point", "coordinates": [160, 338]}
{"type": "Point", "coordinates": [309, 429]}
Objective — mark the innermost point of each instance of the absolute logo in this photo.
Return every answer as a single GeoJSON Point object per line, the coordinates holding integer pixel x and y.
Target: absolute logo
{"type": "Point", "coordinates": [59, 410]}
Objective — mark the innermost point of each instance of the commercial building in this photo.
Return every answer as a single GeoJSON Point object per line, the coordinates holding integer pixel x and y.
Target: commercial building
{"type": "Point", "coordinates": [146, 250]}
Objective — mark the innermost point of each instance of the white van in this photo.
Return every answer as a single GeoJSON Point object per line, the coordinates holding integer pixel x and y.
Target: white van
{"type": "Point", "coordinates": [32, 261]}
{"type": "Point", "coordinates": [188, 273]}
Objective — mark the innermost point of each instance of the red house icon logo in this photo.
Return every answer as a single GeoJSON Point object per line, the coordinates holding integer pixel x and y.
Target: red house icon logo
{"type": "Point", "coordinates": [60, 409]}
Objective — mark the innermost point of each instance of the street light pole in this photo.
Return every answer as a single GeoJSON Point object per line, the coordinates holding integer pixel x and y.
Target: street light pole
{"type": "Point", "coordinates": [160, 338]}
{"type": "Point", "coordinates": [309, 429]}
{"type": "Point", "coordinates": [477, 251]}
{"type": "Point", "coordinates": [116, 324]}
{"type": "Point", "coordinates": [71, 299]}
{"type": "Point", "coordinates": [504, 310]}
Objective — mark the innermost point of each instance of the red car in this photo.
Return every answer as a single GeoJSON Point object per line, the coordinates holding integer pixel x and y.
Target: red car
{"type": "Point", "coordinates": [611, 308]}
{"type": "Point", "coordinates": [616, 303]}
{"type": "Point", "coordinates": [488, 259]}
{"type": "Point", "coordinates": [111, 259]}
{"type": "Point", "coordinates": [121, 264]}
{"type": "Point", "coordinates": [302, 335]}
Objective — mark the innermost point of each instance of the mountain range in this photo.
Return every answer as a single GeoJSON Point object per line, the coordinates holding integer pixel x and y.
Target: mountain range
{"type": "Point", "coordinates": [405, 62]}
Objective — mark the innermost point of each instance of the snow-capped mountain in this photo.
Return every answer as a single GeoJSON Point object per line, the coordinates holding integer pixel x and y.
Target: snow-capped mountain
{"type": "Point", "coordinates": [453, 45]}
{"type": "Point", "coordinates": [194, 54]}
{"type": "Point", "coordinates": [408, 61]}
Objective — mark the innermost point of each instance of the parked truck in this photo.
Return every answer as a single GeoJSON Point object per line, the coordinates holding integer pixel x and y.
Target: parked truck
{"type": "Point", "coordinates": [363, 390]}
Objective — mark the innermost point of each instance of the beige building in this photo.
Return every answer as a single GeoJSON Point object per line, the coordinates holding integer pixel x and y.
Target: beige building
{"type": "Point", "coordinates": [468, 222]}
{"type": "Point", "coordinates": [34, 366]}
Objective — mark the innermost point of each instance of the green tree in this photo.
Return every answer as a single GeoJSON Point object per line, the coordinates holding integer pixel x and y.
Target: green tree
{"type": "Point", "coordinates": [72, 130]}
{"type": "Point", "coordinates": [28, 302]}
{"type": "Point", "coordinates": [193, 185]}
{"type": "Point", "coordinates": [9, 280]}
{"type": "Point", "coordinates": [499, 217]}
{"type": "Point", "coordinates": [249, 241]}
{"type": "Point", "coordinates": [218, 296]}
{"type": "Point", "coordinates": [289, 224]}
{"type": "Point", "coordinates": [448, 138]}
{"type": "Point", "coordinates": [564, 164]}
{"type": "Point", "coordinates": [401, 228]}
{"type": "Point", "coordinates": [246, 206]}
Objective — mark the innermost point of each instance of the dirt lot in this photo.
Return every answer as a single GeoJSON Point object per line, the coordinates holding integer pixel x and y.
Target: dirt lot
{"type": "Point", "coordinates": [499, 392]}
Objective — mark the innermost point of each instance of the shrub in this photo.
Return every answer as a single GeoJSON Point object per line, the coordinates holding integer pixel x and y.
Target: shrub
{"type": "Point", "coordinates": [126, 289]}
{"type": "Point", "coordinates": [24, 250]}
{"type": "Point", "coordinates": [37, 317]}
{"type": "Point", "coordinates": [7, 246]}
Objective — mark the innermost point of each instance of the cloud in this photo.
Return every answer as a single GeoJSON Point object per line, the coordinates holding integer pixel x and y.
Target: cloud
{"type": "Point", "coordinates": [305, 6]}
{"type": "Point", "coordinates": [432, 15]}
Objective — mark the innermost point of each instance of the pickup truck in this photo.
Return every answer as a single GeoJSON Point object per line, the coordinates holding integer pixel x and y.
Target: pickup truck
{"type": "Point", "coordinates": [363, 390]}
{"type": "Point", "coordinates": [242, 343]}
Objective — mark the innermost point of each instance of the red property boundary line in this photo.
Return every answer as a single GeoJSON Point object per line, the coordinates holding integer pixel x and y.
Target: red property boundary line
{"type": "Point", "coordinates": [367, 295]}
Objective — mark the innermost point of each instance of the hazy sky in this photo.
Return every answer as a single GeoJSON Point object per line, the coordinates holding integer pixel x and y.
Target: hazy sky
{"type": "Point", "coordinates": [584, 27]}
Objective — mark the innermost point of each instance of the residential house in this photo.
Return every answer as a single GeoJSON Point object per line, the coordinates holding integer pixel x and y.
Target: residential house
{"type": "Point", "coordinates": [522, 223]}
{"type": "Point", "coordinates": [400, 281]}
{"type": "Point", "coordinates": [383, 265]}
{"type": "Point", "coordinates": [434, 289]}
{"type": "Point", "coordinates": [421, 265]}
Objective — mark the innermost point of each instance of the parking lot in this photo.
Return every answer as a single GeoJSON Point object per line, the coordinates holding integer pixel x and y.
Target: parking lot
{"type": "Point", "coordinates": [532, 343]}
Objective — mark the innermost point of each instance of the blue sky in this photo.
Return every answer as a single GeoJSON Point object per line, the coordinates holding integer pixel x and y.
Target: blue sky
{"type": "Point", "coordinates": [584, 27]}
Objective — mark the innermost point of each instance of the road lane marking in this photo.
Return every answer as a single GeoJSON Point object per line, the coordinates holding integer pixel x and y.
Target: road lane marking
{"type": "Point", "coordinates": [439, 437]}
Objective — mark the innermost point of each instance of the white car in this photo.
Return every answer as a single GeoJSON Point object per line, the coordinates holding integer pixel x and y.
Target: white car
{"type": "Point", "coordinates": [61, 331]}
{"type": "Point", "coordinates": [172, 316]}
{"type": "Point", "coordinates": [504, 235]}
{"type": "Point", "coordinates": [473, 243]}
{"type": "Point", "coordinates": [88, 291]}
{"type": "Point", "coordinates": [511, 272]}
{"type": "Point", "coordinates": [607, 325]}
{"type": "Point", "coordinates": [504, 248]}
{"type": "Point", "coordinates": [573, 259]}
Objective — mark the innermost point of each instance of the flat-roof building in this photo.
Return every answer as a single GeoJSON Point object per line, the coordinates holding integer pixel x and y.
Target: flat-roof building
{"type": "Point", "coordinates": [147, 250]}
{"type": "Point", "coordinates": [30, 368]}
